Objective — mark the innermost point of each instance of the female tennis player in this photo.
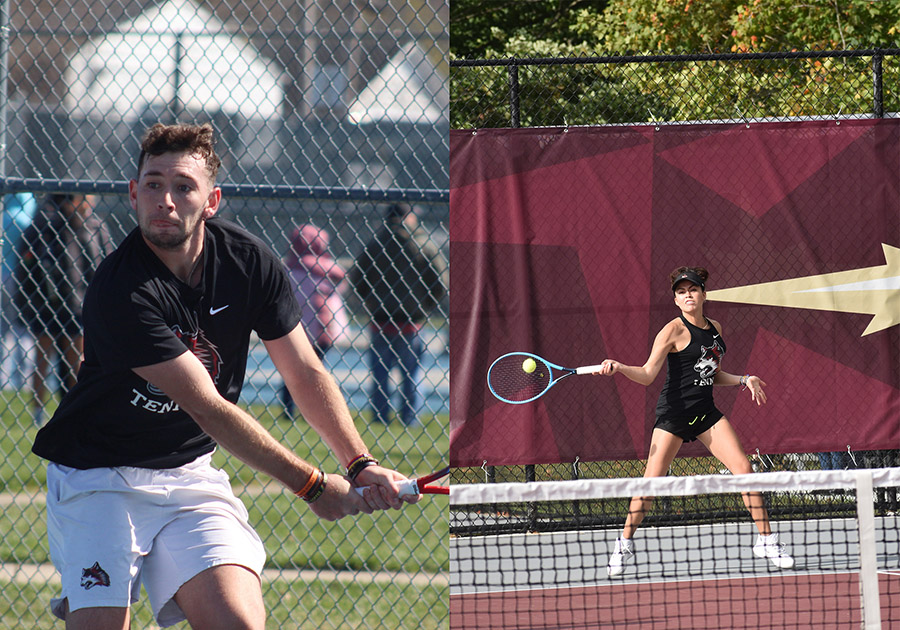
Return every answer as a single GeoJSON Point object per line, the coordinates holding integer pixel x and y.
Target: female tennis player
{"type": "Point", "coordinates": [693, 348]}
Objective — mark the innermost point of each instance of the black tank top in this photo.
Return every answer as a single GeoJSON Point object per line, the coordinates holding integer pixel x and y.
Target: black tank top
{"type": "Point", "coordinates": [690, 373]}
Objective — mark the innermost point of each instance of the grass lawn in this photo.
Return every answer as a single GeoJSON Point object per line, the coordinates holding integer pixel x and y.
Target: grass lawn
{"type": "Point", "coordinates": [311, 605]}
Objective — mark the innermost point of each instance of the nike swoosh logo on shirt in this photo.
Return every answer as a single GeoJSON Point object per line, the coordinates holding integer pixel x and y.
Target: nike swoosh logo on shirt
{"type": "Point", "coordinates": [213, 311]}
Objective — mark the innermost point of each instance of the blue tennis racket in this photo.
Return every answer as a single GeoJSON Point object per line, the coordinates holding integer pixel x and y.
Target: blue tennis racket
{"type": "Point", "coordinates": [520, 377]}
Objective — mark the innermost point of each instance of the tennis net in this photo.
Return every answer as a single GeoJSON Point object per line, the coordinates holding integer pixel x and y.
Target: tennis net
{"type": "Point", "coordinates": [535, 555]}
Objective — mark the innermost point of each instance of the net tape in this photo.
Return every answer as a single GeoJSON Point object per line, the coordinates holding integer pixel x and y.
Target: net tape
{"type": "Point", "coordinates": [583, 489]}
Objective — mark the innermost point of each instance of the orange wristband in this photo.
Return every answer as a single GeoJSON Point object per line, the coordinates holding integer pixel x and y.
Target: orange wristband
{"type": "Point", "coordinates": [313, 478]}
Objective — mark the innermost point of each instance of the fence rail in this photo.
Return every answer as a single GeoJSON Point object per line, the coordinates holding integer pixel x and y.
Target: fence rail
{"type": "Point", "coordinates": [497, 101]}
{"type": "Point", "coordinates": [303, 193]}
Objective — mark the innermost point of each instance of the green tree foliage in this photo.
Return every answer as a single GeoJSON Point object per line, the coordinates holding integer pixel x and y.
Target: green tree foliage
{"type": "Point", "coordinates": [818, 24]}
{"type": "Point", "coordinates": [685, 90]}
{"type": "Point", "coordinates": [661, 26]}
{"type": "Point", "coordinates": [576, 94]}
{"type": "Point", "coordinates": [481, 29]}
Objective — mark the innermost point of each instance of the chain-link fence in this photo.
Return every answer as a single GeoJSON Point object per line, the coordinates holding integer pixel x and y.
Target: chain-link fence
{"type": "Point", "coordinates": [327, 115]}
{"type": "Point", "coordinates": [666, 90]}
{"type": "Point", "coordinates": [632, 89]}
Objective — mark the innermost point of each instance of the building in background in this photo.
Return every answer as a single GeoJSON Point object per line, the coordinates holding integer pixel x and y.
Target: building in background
{"type": "Point", "coordinates": [301, 93]}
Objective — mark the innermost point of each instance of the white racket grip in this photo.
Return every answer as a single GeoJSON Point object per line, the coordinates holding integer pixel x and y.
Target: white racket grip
{"type": "Point", "coordinates": [588, 369]}
{"type": "Point", "coordinates": [408, 487]}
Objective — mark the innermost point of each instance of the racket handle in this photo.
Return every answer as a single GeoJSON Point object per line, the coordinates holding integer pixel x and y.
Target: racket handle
{"type": "Point", "coordinates": [588, 369]}
{"type": "Point", "coordinates": [408, 487]}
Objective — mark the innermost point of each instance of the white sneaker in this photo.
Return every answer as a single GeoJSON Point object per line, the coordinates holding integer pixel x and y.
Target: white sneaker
{"type": "Point", "coordinates": [769, 547]}
{"type": "Point", "coordinates": [622, 552]}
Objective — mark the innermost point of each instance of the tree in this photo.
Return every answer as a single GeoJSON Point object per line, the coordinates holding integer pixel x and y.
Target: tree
{"type": "Point", "coordinates": [695, 90]}
{"type": "Point", "coordinates": [480, 29]}
{"type": "Point", "coordinates": [551, 95]}
{"type": "Point", "coordinates": [818, 25]}
{"type": "Point", "coordinates": [731, 25]}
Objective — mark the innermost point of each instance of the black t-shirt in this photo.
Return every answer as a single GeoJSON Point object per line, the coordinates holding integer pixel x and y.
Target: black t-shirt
{"type": "Point", "coordinates": [137, 313]}
{"type": "Point", "coordinates": [690, 373]}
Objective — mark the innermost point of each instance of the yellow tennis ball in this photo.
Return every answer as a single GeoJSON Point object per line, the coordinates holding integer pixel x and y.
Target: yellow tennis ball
{"type": "Point", "coordinates": [529, 366]}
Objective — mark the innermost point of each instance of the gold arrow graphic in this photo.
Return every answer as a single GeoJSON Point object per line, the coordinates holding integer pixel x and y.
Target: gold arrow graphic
{"type": "Point", "coordinates": [871, 290]}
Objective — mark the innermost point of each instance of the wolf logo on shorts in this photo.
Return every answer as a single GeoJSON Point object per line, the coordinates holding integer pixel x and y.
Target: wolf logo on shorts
{"type": "Point", "coordinates": [95, 576]}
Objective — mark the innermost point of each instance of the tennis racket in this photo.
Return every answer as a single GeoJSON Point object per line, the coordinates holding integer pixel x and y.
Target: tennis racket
{"type": "Point", "coordinates": [519, 377]}
{"type": "Point", "coordinates": [422, 485]}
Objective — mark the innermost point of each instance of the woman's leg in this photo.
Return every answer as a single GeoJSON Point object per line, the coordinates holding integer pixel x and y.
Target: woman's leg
{"type": "Point", "coordinates": [724, 444]}
{"type": "Point", "coordinates": [663, 449]}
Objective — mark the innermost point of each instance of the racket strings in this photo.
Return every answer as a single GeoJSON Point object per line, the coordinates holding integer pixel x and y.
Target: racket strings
{"type": "Point", "coordinates": [509, 380]}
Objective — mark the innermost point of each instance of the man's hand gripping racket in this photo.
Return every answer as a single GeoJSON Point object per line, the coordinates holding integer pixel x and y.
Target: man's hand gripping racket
{"type": "Point", "coordinates": [519, 377]}
{"type": "Point", "coordinates": [421, 485]}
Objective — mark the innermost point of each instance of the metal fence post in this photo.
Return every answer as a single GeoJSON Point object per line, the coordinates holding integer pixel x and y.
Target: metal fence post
{"type": "Point", "coordinates": [4, 97]}
{"type": "Point", "coordinates": [878, 84]}
{"type": "Point", "coordinates": [514, 95]}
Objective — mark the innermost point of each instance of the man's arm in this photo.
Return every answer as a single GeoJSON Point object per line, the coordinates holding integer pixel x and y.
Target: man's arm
{"type": "Point", "coordinates": [322, 405]}
{"type": "Point", "coordinates": [186, 382]}
{"type": "Point", "coordinates": [317, 395]}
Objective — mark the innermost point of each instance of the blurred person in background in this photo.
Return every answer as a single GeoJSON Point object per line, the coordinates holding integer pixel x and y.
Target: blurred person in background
{"type": "Point", "coordinates": [58, 255]}
{"type": "Point", "coordinates": [398, 277]}
{"type": "Point", "coordinates": [832, 460]}
{"type": "Point", "coordinates": [318, 282]}
{"type": "Point", "coordinates": [18, 213]}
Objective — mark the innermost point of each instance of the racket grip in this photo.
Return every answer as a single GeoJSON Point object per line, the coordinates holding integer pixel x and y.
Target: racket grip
{"type": "Point", "coordinates": [408, 487]}
{"type": "Point", "coordinates": [588, 369]}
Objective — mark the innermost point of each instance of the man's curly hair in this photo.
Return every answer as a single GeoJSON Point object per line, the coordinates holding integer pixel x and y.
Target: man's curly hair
{"type": "Point", "coordinates": [181, 138]}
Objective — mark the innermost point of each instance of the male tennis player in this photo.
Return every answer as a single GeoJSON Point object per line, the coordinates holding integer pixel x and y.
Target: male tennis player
{"type": "Point", "coordinates": [692, 347]}
{"type": "Point", "coordinates": [132, 496]}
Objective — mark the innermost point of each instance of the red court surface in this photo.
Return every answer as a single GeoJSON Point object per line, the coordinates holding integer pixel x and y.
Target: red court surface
{"type": "Point", "coordinates": [820, 601]}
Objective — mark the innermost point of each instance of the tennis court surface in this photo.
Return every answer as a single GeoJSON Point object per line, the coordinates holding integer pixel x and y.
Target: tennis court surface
{"type": "Point", "coordinates": [534, 556]}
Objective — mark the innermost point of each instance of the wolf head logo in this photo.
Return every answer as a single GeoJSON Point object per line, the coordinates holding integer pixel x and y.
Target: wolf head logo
{"type": "Point", "coordinates": [94, 576]}
{"type": "Point", "coordinates": [710, 359]}
{"type": "Point", "coordinates": [203, 349]}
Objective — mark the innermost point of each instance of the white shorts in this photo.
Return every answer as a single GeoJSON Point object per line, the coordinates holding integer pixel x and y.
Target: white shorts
{"type": "Point", "coordinates": [113, 529]}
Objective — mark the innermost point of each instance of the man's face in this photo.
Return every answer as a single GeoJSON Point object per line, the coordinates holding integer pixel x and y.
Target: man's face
{"type": "Point", "coordinates": [172, 197]}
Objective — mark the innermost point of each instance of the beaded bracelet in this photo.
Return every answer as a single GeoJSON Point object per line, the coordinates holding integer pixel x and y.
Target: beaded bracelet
{"type": "Point", "coordinates": [358, 463]}
{"type": "Point", "coordinates": [744, 380]}
{"type": "Point", "coordinates": [314, 486]}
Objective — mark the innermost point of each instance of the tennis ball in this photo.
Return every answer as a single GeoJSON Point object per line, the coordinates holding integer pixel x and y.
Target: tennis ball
{"type": "Point", "coordinates": [529, 366]}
